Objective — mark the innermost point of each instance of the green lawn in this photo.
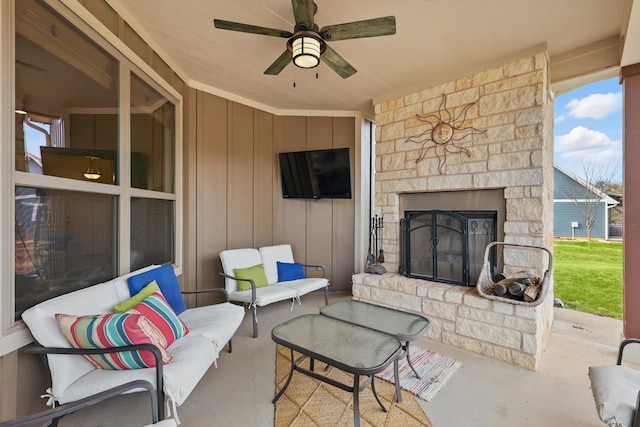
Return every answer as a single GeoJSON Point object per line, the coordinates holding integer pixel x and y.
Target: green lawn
{"type": "Point", "coordinates": [589, 280]}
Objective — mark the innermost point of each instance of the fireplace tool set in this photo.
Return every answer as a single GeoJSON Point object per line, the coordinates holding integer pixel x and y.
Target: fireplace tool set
{"type": "Point", "coordinates": [375, 259]}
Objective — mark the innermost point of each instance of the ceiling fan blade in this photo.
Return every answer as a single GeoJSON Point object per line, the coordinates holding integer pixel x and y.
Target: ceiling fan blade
{"type": "Point", "coordinates": [303, 10]}
{"type": "Point", "coordinates": [337, 63]}
{"type": "Point", "coordinates": [354, 30]}
{"type": "Point", "coordinates": [253, 29]}
{"type": "Point", "coordinates": [279, 64]}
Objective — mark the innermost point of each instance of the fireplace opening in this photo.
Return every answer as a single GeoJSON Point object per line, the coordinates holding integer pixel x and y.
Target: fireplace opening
{"type": "Point", "coordinates": [446, 246]}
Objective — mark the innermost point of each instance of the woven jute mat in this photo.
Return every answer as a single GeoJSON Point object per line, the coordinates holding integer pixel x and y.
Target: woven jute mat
{"type": "Point", "coordinates": [309, 402]}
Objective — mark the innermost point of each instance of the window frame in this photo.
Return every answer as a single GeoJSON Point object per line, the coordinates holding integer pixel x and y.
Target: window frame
{"type": "Point", "coordinates": [14, 334]}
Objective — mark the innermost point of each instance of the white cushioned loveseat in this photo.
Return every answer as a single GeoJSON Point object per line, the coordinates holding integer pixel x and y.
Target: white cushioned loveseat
{"type": "Point", "coordinates": [278, 278]}
{"type": "Point", "coordinates": [74, 377]}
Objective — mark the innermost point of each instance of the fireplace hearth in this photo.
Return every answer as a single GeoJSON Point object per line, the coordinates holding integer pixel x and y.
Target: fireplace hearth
{"type": "Point", "coordinates": [446, 246]}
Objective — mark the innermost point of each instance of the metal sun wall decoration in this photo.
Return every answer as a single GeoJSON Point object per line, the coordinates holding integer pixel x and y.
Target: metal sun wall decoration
{"type": "Point", "coordinates": [445, 131]}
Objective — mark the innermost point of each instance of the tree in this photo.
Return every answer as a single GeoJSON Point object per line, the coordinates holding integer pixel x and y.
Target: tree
{"type": "Point", "coordinates": [597, 180]}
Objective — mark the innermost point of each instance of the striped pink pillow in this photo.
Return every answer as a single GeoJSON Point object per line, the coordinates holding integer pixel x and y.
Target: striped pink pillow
{"type": "Point", "coordinates": [114, 330]}
{"type": "Point", "coordinates": [156, 308]}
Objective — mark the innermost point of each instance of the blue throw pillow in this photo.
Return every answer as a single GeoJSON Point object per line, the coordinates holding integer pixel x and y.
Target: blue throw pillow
{"type": "Point", "coordinates": [167, 282]}
{"type": "Point", "coordinates": [288, 271]}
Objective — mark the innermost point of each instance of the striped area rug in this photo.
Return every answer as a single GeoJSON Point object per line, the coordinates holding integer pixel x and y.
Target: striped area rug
{"type": "Point", "coordinates": [435, 370]}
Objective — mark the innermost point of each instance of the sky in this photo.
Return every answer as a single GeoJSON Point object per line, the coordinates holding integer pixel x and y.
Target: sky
{"type": "Point", "coordinates": [588, 129]}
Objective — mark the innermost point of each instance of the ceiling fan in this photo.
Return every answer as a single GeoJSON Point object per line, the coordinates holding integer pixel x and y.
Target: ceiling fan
{"type": "Point", "coordinates": [307, 45]}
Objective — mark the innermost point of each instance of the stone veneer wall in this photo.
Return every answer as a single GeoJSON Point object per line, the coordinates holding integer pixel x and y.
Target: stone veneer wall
{"type": "Point", "coordinates": [513, 103]}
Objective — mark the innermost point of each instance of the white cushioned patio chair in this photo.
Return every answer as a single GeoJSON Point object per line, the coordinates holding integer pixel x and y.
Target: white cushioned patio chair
{"type": "Point", "coordinates": [616, 391]}
{"type": "Point", "coordinates": [268, 284]}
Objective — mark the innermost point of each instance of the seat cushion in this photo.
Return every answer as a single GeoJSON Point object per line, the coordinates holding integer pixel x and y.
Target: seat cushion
{"type": "Point", "coordinates": [265, 296]}
{"type": "Point", "coordinates": [237, 258]}
{"type": "Point", "coordinates": [304, 286]}
{"type": "Point", "coordinates": [217, 322]}
{"type": "Point", "coordinates": [192, 357]}
{"type": "Point", "coordinates": [615, 390]}
{"type": "Point", "coordinates": [271, 255]}
{"type": "Point", "coordinates": [114, 330]}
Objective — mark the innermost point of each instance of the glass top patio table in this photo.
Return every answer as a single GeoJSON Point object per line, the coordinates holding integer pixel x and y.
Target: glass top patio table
{"type": "Point", "coordinates": [402, 325]}
{"type": "Point", "coordinates": [348, 347]}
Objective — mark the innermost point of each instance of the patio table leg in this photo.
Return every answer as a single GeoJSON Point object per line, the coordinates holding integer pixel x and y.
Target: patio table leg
{"type": "Point", "coordinates": [375, 394]}
{"type": "Point", "coordinates": [406, 347]}
{"type": "Point", "coordinates": [281, 392]}
{"type": "Point", "coordinates": [396, 376]}
{"type": "Point", "coordinates": [356, 400]}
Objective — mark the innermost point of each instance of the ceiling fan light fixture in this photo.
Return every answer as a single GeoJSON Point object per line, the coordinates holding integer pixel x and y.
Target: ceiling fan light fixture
{"type": "Point", "coordinates": [306, 52]}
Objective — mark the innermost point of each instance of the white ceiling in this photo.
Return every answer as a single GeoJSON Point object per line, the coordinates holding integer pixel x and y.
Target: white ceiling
{"type": "Point", "coordinates": [436, 40]}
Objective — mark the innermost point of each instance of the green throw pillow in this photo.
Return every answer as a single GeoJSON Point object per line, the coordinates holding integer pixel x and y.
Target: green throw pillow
{"type": "Point", "coordinates": [255, 273]}
{"type": "Point", "coordinates": [127, 305]}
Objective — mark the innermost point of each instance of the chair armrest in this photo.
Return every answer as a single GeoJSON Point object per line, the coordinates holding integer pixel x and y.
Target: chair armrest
{"type": "Point", "coordinates": [251, 282]}
{"type": "Point", "coordinates": [43, 351]}
{"type": "Point", "coordinates": [317, 267]}
{"type": "Point", "coordinates": [202, 291]}
{"type": "Point", "coordinates": [68, 408]}
{"type": "Point", "coordinates": [623, 344]}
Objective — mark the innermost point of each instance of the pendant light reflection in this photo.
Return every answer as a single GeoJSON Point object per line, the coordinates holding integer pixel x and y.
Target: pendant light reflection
{"type": "Point", "coordinates": [92, 172]}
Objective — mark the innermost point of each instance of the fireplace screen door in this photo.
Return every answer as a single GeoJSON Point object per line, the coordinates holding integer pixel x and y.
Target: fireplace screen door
{"type": "Point", "coordinates": [445, 246]}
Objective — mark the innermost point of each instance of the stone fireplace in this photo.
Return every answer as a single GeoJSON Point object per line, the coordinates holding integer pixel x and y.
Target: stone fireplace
{"type": "Point", "coordinates": [505, 171]}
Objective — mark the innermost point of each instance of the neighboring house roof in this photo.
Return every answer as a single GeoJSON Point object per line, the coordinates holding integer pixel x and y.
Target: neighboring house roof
{"type": "Point", "coordinates": [35, 159]}
{"type": "Point", "coordinates": [616, 196]}
{"type": "Point", "coordinates": [610, 201]}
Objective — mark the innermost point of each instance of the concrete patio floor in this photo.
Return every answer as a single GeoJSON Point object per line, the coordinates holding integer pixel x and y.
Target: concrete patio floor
{"type": "Point", "coordinates": [484, 393]}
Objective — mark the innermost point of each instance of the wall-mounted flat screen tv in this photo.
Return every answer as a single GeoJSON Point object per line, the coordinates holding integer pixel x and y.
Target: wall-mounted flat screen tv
{"type": "Point", "coordinates": [316, 174]}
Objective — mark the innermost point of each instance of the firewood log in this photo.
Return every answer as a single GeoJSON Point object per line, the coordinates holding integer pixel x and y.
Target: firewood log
{"type": "Point", "coordinates": [516, 289]}
{"type": "Point", "coordinates": [499, 290]}
{"type": "Point", "coordinates": [532, 291]}
{"type": "Point", "coordinates": [510, 280]}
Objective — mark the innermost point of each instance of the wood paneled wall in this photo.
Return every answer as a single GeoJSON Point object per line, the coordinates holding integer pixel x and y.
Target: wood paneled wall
{"type": "Point", "coordinates": [240, 202]}
{"type": "Point", "coordinates": [232, 198]}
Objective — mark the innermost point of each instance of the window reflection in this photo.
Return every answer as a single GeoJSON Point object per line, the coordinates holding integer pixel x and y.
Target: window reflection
{"type": "Point", "coordinates": [66, 97]}
{"type": "Point", "coordinates": [152, 138]}
{"type": "Point", "coordinates": [152, 232]}
{"type": "Point", "coordinates": [65, 240]}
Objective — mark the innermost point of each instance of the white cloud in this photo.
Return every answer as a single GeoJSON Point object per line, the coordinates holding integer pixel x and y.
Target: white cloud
{"type": "Point", "coordinates": [588, 145]}
{"type": "Point", "coordinates": [595, 106]}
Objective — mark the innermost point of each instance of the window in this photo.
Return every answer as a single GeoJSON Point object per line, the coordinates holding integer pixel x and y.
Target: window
{"type": "Point", "coordinates": [95, 161]}
{"type": "Point", "coordinates": [65, 240]}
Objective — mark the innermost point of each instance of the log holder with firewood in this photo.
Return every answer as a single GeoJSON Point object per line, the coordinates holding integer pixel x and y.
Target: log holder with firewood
{"type": "Point", "coordinates": [527, 287]}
